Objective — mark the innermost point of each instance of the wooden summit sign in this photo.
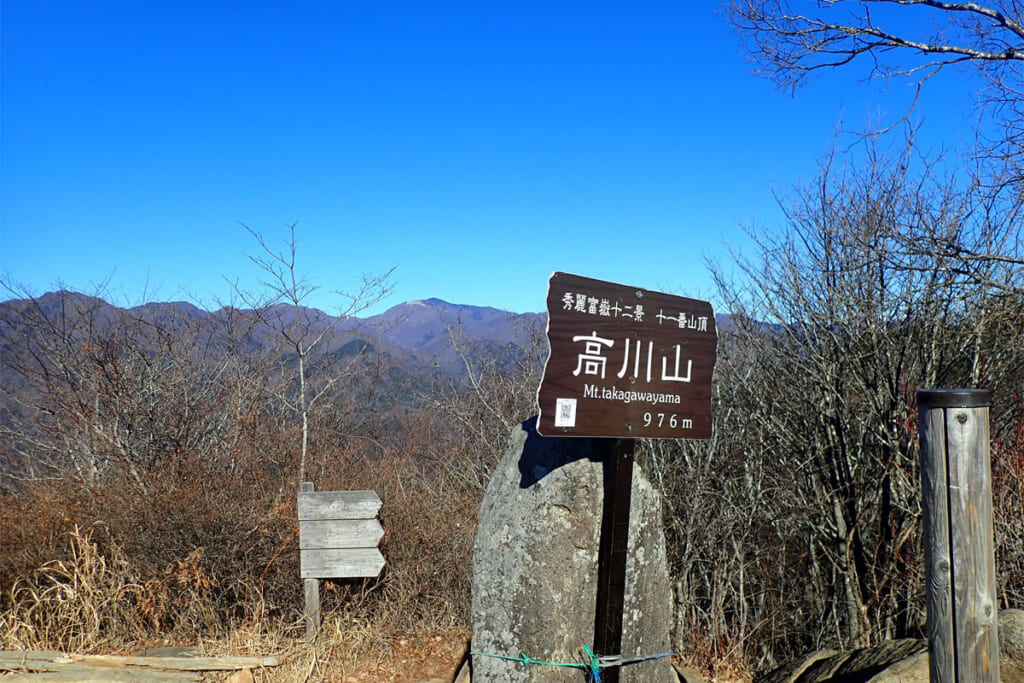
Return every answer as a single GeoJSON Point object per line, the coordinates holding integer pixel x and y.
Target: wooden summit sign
{"type": "Point", "coordinates": [626, 362]}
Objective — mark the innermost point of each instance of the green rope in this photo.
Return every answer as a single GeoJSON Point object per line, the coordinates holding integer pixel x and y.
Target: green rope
{"type": "Point", "coordinates": [527, 661]}
{"type": "Point", "coordinates": [593, 666]}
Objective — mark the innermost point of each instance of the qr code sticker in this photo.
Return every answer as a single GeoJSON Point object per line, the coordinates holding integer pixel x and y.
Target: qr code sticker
{"type": "Point", "coordinates": [565, 412]}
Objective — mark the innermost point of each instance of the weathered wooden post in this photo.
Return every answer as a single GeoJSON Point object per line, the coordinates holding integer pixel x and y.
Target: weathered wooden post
{"type": "Point", "coordinates": [959, 557]}
{"type": "Point", "coordinates": [311, 589]}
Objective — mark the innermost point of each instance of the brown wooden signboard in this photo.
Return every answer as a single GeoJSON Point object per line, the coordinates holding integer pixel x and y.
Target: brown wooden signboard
{"type": "Point", "coordinates": [626, 362]}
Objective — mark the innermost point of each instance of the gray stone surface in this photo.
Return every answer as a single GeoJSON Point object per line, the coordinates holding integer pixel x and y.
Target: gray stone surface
{"type": "Point", "coordinates": [685, 675]}
{"type": "Point", "coordinates": [899, 661]}
{"type": "Point", "coordinates": [907, 660]}
{"type": "Point", "coordinates": [535, 565]}
{"type": "Point", "coordinates": [1011, 645]}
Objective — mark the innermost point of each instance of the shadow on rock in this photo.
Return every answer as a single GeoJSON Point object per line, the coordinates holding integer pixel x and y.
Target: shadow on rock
{"type": "Point", "coordinates": [545, 454]}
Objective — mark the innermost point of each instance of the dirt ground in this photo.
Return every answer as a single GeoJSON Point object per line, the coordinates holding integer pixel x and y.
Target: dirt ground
{"type": "Point", "coordinates": [394, 658]}
{"type": "Point", "coordinates": [432, 658]}
{"type": "Point", "coordinates": [436, 658]}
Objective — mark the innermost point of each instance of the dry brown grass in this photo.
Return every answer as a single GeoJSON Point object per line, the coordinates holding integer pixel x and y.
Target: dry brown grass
{"type": "Point", "coordinates": [195, 564]}
{"type": "Point", "coordinates": [95, 601]}
{"type": "Point", "coordinates": [350, 648]}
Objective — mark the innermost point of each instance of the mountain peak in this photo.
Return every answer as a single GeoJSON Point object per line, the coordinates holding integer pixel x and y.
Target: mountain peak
{"type": "Point", "coordinates": [431, 303]}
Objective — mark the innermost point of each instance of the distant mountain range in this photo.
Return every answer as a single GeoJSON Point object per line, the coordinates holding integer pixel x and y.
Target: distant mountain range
{"type": "Point", "coordinates": [415, 333]}
{"type": "Point", "coordinates": [424, 337]}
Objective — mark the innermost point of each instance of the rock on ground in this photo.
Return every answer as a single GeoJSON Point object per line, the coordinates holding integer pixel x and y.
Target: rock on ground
{"type": "Point", "coordinates": [535, 565]}
{"type": "Point", "coordinates": [907, 660]}
{"type": "Point", "coordinates": [899, 661]}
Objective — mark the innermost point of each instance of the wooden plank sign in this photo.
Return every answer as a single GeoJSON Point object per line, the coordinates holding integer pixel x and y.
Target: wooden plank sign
{"type": "Point", "coordinates": [626, 362]}
{"type": "Point", "coordinates": [338, 534]}
{"type": "Point", "coordinates": [341, 563]}
{"type": "Point", "coordinates": [314, 505]}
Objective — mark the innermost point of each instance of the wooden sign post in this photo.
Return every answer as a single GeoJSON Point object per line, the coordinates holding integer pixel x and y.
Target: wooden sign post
{"type": "Point", "coordinates": [625, 363]}
{"type": "Point", "coordinates": [960, 572]}
{"type": "Point", "coordinates": [613, 549]}
{"type": "Point", "coordinates": [338, 537]}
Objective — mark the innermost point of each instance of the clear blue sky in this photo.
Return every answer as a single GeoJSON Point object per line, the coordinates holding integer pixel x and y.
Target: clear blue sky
{"type": "Point", "coordinates": [477, 146]}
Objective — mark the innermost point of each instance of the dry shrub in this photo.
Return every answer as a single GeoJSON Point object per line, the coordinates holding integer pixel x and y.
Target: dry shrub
{"type": "Point", "coordinates": [33, 530]}
{"type": "Point", "coordinates": [429, 521]}
{"type": "Point", "coordinates": [431, 524]}
{"type": "Point", "coordinates": [209, 549]}
{"type": "Point", "coordinates": [95, 600]}
{"type": "Point", "coordinates": [1008, 503]}
{"type": "Point", "coordinates": [245, 528]}
{"type": "Point", "coordinates": [201, 557]}
{"type": "Point", "coordinates": [205, 554]}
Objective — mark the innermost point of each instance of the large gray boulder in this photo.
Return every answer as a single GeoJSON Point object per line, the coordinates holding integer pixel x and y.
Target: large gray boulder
{"type": "Point", "coordinates": [535, 565]}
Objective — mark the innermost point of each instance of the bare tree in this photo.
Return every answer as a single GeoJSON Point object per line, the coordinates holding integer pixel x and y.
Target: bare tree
{"type": "Point", "coordinates": [90, 389]}
{"type": "Point", "coordinates": [903, 40]}
{"type": "Point", "coordinates": [911, 41]}
{"type": "Point", "coordinates": [791, 44]}
{"type": "Point", "coordinates": [796, 527]}
{"type": "Point", "coordinates": [831, 381]}
{"type": "Point", "coordinates": [305, 330]}
{"type": "Point", "coordinates": [980, 243]}
{"type": "Point", "coordinates": [496, 391]}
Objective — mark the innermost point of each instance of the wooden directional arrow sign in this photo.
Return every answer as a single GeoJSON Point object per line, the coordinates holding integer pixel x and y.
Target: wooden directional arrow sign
{"type": "Point", "coordinates": [338, 534]}
{"type": "Point", "coordinates": [626, 362]}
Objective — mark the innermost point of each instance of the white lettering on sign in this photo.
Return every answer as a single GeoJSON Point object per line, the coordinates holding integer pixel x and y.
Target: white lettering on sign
{"type": "Point", "coordinates": [604, 308]}
{"type": "Point", "coordinates": [638, 362]}
{"type": "Point", "coordinates": [616, 394]}
{"type": "Point", "coordinates": [675, 376]}
{"type": "Point", "coordinates": [670, 420]}
{"type": "Point", "coordinates": [591, 362]}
